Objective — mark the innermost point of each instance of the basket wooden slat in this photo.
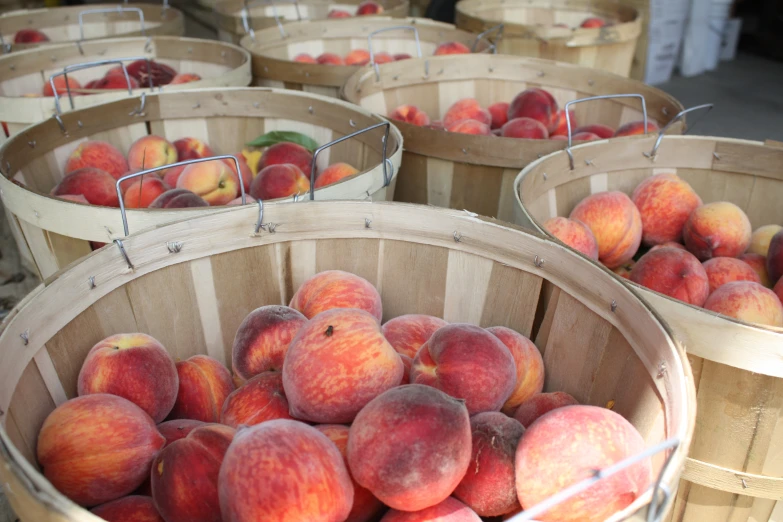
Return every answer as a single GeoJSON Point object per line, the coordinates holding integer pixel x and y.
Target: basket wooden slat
{"type": "Point", "coordinates": [57, 232]}
{"type": "Point", "coordinates": [734, 471]}
{"type": "Point", "coordinates": [477, 172]}
{"type": "Point", "coordinates": [487, 278]}
{"type": "Point", "coordinates": [528, 30]}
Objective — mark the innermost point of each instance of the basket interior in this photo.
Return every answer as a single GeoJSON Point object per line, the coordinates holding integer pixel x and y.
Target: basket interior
{"type": "Point", "coordinates": [341, 46]}
{"type": "Point", "coordinates": [544, 12]}
{"type": "Point", "coordinates": [303, 10]}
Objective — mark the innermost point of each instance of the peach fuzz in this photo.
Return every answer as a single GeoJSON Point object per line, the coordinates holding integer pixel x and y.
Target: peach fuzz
{"type": "Point", "coordinates": [526, 128]}
{"type": "Point", "coordinates": [665, 201]}
{"type": "Point", "coordinates": [499, 113]}
{"type": "Point", "coordinates": [451, 48]}
{"type": "Point", "coordinates": [468, 363]}
{"type": "Point", "coordinates": [178, 198]}
{"type": "Point", "coordinates": [260, 399]}
{"type": "Point", "coordinates": [329, 59]}
{"type": "Point", "coordinates": [673, 272]}
{"type": "Point", "coordinates": [365, 506]}
{"type": "Point", "coordinates": [185, 475]}
{"type": "Point", "coordinates": [133, 366]}
{"type": "Point", "coordinates": [602, 131]}
{"type": "Point", "coordinates": [336, 289]}
{"type": "Point", "coordinates": [144, 191]}
{"type": "Point", "coordinates": [284, 470]}
{"type": "Point", "coordinates": [759, 239]}
{"type": "Point", "coordinates": [560, 127]}
{"type": "Point", "coordinates": [149, 152]}
{"type": "Point", "coordinates": [407, 333]}
{"type": "Point", "coordinates": [775, 258]}
{"type": "Point", "coordinates": [369, 8]}
{"type": "Point", "coordinates": [635, 128]}
{"type": "Point", "coordinates": [262, 340]}
{"type": "Point", "coordinates": [97, 448]}
{"type": "Point", "coordinates": [279, 181]}
{"type": "Point", "coordinates": [537, 104]}
{"type": "Point", "coordinates": [759, 264]}
{"type": "Point", "coordinates": [334, 173]}
{"type": "Point", "coordinates": [286, 152]}
{"type": "Point", "coordinates": [747, 301]}
{"type": "Point", "coordinates": [566, 446]}
{"type": "Point", "coordinates": [184, 78]}
{"type": "Point", "coordinates": [722, 270]}
{"type": "Point", "coordinates": [450, 510]}
{"type": "Point", "coordinates": [528, 363]}
{"type": "Point", "coordinates": [616, 224]}
{"type": "Point", "coordinates": [466, 109]}
{"type": "Point", "coordinates": [97, 187]}
{"type": "Point", "coordinates": [336, 364]}
{"type": "Point", "coordinates": [134, 508]}
{"type": "Point", "coordinates": [470, 127]}
{"type": "Point", "coordinates": [540, 404]}
{"type": "Point", "coordinates": [573, 233]}
{"type": "Point", "coordinates": [204, 384]}
{"type": "Point", "coordinates": [357, 57]}
{"type": "Point", "coordinates": [410, 446]}
{"type": "Point", "coordinates": [100, 155]}
{"type": "Point", "coordinates": [410, 114]}
{"type": "Point", "coordinates": [176, 429]}
{"type": "Point", "coordinates": [213, 181]}
{"type": "Point", "coordinates": [488, 487]}
{"type": "Point", "coordinates": [61, 86]}
{"type": "Point", "coordinates": [304, 58]}
{"type": "Point", "coordinates": [339, 13]}
{"type": "Point", "coordinates": [718, 229]}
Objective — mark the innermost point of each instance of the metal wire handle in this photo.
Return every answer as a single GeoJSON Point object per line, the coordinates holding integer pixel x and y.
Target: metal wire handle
{"type": "Point", "coordinates": [395, 28]}
{"type": "Point", "coordinates": [386, 162]}
{"type": "Point", "coordinates": [118, 9]}
{"type": "Point", "coordinates": [494, 45]}
{"type": "Point", "coordinates": [245, 13]}
{"type": "Point", "coordinates": [165, 4]}
{"type": "Point", "coordinates": [173, 165]}
{"type": "Point", "coordinates": [604, 97]}
{"type": "Point", "coordinates": [654, 151]}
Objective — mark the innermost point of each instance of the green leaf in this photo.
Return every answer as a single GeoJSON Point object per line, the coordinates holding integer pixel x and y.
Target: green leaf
{"type": "Point", "coordinates": [274, 137]}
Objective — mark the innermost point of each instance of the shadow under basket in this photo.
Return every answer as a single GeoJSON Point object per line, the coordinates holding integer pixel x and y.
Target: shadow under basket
{"type": "Point", "coordinates": [600, 342]}
{"type": "Point", "coordinates": [734, 471]}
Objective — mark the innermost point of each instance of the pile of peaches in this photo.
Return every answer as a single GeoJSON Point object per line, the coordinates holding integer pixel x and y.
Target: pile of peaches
{"type": "Point", "coordinates": [533, 114]}
{"type": "Point", "coordinates": [365, 9]}
{"type": "Point", "coordinates": [705, 255]}
{"type": "Point", "coordinates": [331, 416]}
{"type": "Point", "coordinates": [362, 56]}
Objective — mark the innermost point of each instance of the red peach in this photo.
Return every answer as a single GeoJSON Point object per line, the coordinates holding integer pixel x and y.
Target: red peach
{"type": "Point", "coordinates": [29, 36]}
{"type": "Point", "coordinates": [717, 230]}
{"type": "Point", "coordinates": [334, 173]}
{"type": "Point", "coordinates": [615, 223]}
{"type": "Point", "coordinates": [284, 470]}
{"type": "Point", "coordinates": [436, 125]}
{"type": "Point", "coordinates": [100, 155]}
{"type": "Point", "coordinates": [722, 270]}
{"type": "Point", "coordinates": [401, 56]}
{"type": "Point", "coordinates": [245, 171]}
{"type": "Point", "coordinates": [407, 363]}
{"type": "Point", "coordinates": [336, 364]}
{"type": "Point", "coordinates": [279, 181]}
{"type": "Point", "coordinates": [560, 128]}
{"type": "Point", "coordinates": [593, 23]}
{"type": "Point", "coordinates": [759, 240]}
{"type": "Point", "coordinates": [499, 113]}
{"type": "Point", "coordinates": [339, 13]}
{"type": "Point", "coordinates": [410, 114]}
{"type": "Point", "coordinates": [537, 104]}
{"type": "Point", "coordinates": [602, 131]}
{"type": "Point", "coordinates": [665, 201]}
{"type": "Point", "coordinates": [540, 404]}
{"type": "Point", "coordinates": [573, 233]}
{"type": "Point", "coordinates": [450, 510]}
{"type": "Point", "coordinates": [336, 289]}
{"type": "Point", "coordinates": [559, 137]}
{"type": "Point", "coordinates": [134, 508]}
{"type": "Point", "coordinates": [213, 181]}
{"type": "Point", "coordinates": [470, 127]}
{"type": "Point", "coordinates": [779, 290]}
{"type": "Point", "coordinates": [525, 128]}
{"type": "Point", "coordinates": [635, 127]}
{"type": "Point", "coordinates": [585, 136]}
{"type": "Point", "coordinates": [178, 198]}
{"type": "Point", "coordinates": [238, 201]}
{"type": "Point", "coordinates": [382, 57]}
{"type": "Point", "coordinates": [624, 271]}
{"type": "Point", "coordinates": [669, 244]}
{"type": "Point", "coordinates": [149, 152]}
{"type": "Point", "coordinates": [97, 448]}
{"type": "Point", "coordinates": [204, 384]}
{"type": "Point", "coordinates": [357, 57]}
{"type": "Point", "coordinates": [135, 367]}
{"type": "Point", "coordinates": [286, 152]}
{"type": "Point", "coordinates": [410, 446]}
{"type": "Point", "coordinates": [673, 272]}
{"type": "Point", "coordinates": [528, 363]}
{"type": "Point", "coordinates": [747, 301]}
{"type": "Point", "coordinates": [466, 109]}
{"type": "Point", "coordinates": [95, 185]}
{"type": "Point", "coordinates": [61, 86]}
{"type": "Point", "coordinates": [176, 429]}
{"type": "Point", "coordinates": [451, 48]}
{"type": "Point", "coordinates": [184, 78]}
{"type": "Point", "coordinates": [775, 258]}
{"type": "Point", "coordinates": [329, 59]}
{"type": "Point", "coordinates": [469, 363]}
{"type": "Point", "coordinates": [192, 148]}
{"type": "Point", "coordinates": [759, 264]}
{"type": "Point", "coordinates": [304, 58]}
{"type": "Point", "coordinates": [407, 333]}
{"type": "Point", "coordinates": [114, 82]}
{"type": "Point", "coordinates": [144, 191]}
{"type": "Point", "coordinates": [369, 8]}
{"type": "Point", "coordinates": [260, 399]}
{"type": "Point", "coordinates": [81, 199]}
{"type": "Point", "coordinates": [151, 72]}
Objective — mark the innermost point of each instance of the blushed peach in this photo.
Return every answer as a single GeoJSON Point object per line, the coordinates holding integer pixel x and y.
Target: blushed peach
{"type": "Point", "coordinates": [114, 82]}
{"type": "Point", "coordinates": [29, 36]}
{"type": "Point", "coordinates": [336, 289]}
{"type": "Point", "coordinates": [665, 201]}
{"type": "Point", "coordinates": [286, 152]}
{"type": "Point", "coordinates": [401, 56]}
{"type": "Point", "coordinates": [357, 57]}
{"type": "Point", "coordinates": [747, 301]}
{"type": "Point", "coordinates": [100, 155]}
{"type": "Point", "coordinates": [759, 264]}
{"type": "Point", "coordinates": [602, 131]}
{"type": "Point", "coordinates": [260, 399]}
{"type": "Point", "coordinates": [760, 238]}
{"type": "Point", "coordinates": [466, 109]}
{"type": "Point", "coordinates": [673, 272]}
{"type": "Point", "coordinates": [775, 258]}
{"type": "Point", "coordinates": [451, 48]}
{"type": "Point", "coordinates": [669, 244]}
{"type": "Point", "coordinates": [636, 127]}
{"type": "Point", "coordinates": [279, 181]}
{"type": "Point", "coordinates": [151, 73]}
{"type": "Point", "coordinates": [382, 57]}
{"type": "Point", "coordinates": [149, 152]}
{"type": "Point", "coordinates": [585, 136]}
{"type": "Point", "coordinates": [450, 510]}
{"type": "Point", "coordinates": [213, 181]}
{"type": "Point", "coordinates": [722, 270]}
{"type": "Point", "coordinates": [540, 404]}
{"type": "Point", "coordinates": [178, 198]}
{"type": "Point", "coordinates": [573, 233]}
{"type": "Point", "coordinates": [204, 384]}
{"type": "Point", "coordinates": [177, 429]}
{"type": "Point", "coordinates": [334, 173]}
{"type": "Point", "coordinates": [407, 333]}
{"type": "Point", "coordinates": [369, 8]}
{"type": "Point", "coordinates": [470, 127]}
{"type": "Point", "coordinates": [329, 59]}
{"type": "Point", "coordinates": [192, 148]}
{"type": "Point", "coordinates": [616, 224]}
{"type": "Point", "coordinates": [410, 114]}
{"type": "Point", "coordinates": [560, 127]}
{"type": "Point", "coordinates": [528, 363]}
{"type": "Point", "coordinates": [144, 191]}
{"type": "Point", "coordinates": [96, 185]}
{"type": "Point", "coordinates": [339, 13]}
{"type": "Point", "coordinates": [407, 363]}
{"type": "Point", "coordinates": [718, 229]}
{"type": "Point", "coordinates": [593, 23]}
{"type": "Point", "coordinates": [304, 58]}
{"type": "Point", "coordinates": [625, 270]}
{"type": "Point", "coordinates": [499, 113]}
{"type": "Point", "coordinates": [525, 128]}
{"type": "Point", "coordinates": [238, 201]}
{"type": "Point", "coordinates": [134, 508]}
{"type": "Point", "coordinates": [779, 290]}
{"type": "Point", "coordinates": [81, 199]}
{"type": "Point", "coordinates": [537, 104]}
{"type": "Point", "coordinates": [61, 85]}
{"type": "Point", "coordinates": [245, 172]}
{"type": "Point", "coordinates": [184, 78]}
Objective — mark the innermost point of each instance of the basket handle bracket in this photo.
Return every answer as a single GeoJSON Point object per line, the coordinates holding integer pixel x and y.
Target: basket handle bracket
{"type": "Point", "coordinates": [119, 9]}
{"type": "Point", "coordinates": [394, 28]}
{"type": "Point", "coordinates": [654, 152]}
{"type": "Point", "coordinates": [245, 13]}
{"type": "Point", "coordinates": [484, 34]}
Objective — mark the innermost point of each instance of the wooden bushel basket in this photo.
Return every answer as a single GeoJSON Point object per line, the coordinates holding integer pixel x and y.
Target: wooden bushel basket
{"type": "Point", "coordinates": [477, 173]}
{"type": "Point", "coordinates": [529, 30]}
{"type": "Point", "coordinates": [617, 350]}
{"type": "Point", "coordinates": [81, 23]}
{"type": "Point", "coordinates": [273, 52]}
{"type": "Point", "coordinates": [734, 471]}
{"type": "Point", "coordinates": [237, 18]}
{"type": "Point", "coordinates": [57, 231]}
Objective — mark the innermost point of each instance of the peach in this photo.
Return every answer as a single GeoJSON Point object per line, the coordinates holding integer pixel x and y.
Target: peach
{"type": "Point", "coordinates": [238, 201]}
{"type": "Point", "coordinates": [410, 114]}
{"type": "Point", "coordinates": [96, 185]}
{"type": "Point", "coordinates": [279, 181]}
{"type": "Point", "coordinates": [779, 290]}
{"type": "Point", "coordinates": [192, 148]}
{"type": "Point", "coordinates": [407, 333]}
{"type": "Point", "coordinates": [213, 181]}
{"type": "Point", "coordinates": [669, 244]}
{"type": "Point", "coordinates": [525, 128]}
{"type": "Point", "coordinates": [759, 240]}
{"type": "Point", "coordinates": [747, 301]}
{"type": "Point", "coordinates": [339, 13]}
{"type": "Point", "coordinates": [176, 429]}
{"type": "Point", "coordinates": [665, 201]}
{"type": "Point", "coordinates": [466, 109]}
{"type": "Point", "coordinates": [470, 127]}
{"type": "Point", "coordinates": [565, 447]}
{"type": "Point", "coordinates": [99, 155]}
{"type": "Point", "coordinates": [81, 199]}
{"type": "Point", "coordinates": [185, 475]}
{"type": "Point", "coordinates": [593, 23]}
{"type": "Point", "coordinates": [540, 404]}
{"type": "Point", "coordinates": [334, 173]}
{"type": "Point", "coordinates": [336, 289]}
{"type": "Point", "coordinates": [336, 364]}
{"type": "Point", "coordinates": [151, 73]}
{"type": "Point", "coordinates": [204, 384]}
{"type": "Point", "coordinates": [365, 506]}
{"type": "Point", "coordinates": [284, 470]}
{"type": "Point", "coordinates": [133, 366]}
{"type": "Point", "coordinates": [329, 59]}
{"type": "Point", "coordinates": [673, 272]}
{"type": "Point", "coordinates": [357, 57]}
{"type": "Point", "coordinates": [602, 131]}
{"type": "Point", "coordinates": [537, 104]}
{"type": "Point", "coordinates": [585, 136]}
{"type": "Point", "coordinates": [382, 57]}
{"type": "Point", "coordinates": [451, 48]}
{"type": "Point", "coordinates": [61, 85]}
{"type": "Point", "coordinates": [304, 58]}
{"type": "Point", "coordinates": [410, 446]}
{"type": "Point", "coordinates": [560, 127]}
{"type": "Point", "coordinates": [718, 229]}
{"type": "Point", "coordinates": [252, 158]}
{"type": "Point", "coordinates": [573, 233]}
{"type": "Point", "coordinates": [245, 172]}
{"type": "Point", "coordinates": [144, 191]}
{"type": "Point", "coordinates": [401, 56]}
{"type": "Point", "coordinates": [559, 137]}
{"type": "Point", "coordinates": [258, 400]}
{"type": "Point", "coordinates": [488, 487]}
{"type": "Point", "coordinates": [178, 198]}
{"type": "Point", "coordinates": [149, 152]}
{"type": "Point", "coordinates": [450, 510]}
{"type": "Point", "coordinates": [722, 270]}
{"type": "Point", "coordinates": [369, 8]}
{"type": "Point", "coordinates": [262, 340]}
{"type": "Point", "coordinates": [469, 363]}
{"type": "Point", "coordinates": [616, 224]}
{"type": "Point", "coordinates": [97, 448]}
{"type": "Point", "coordinates": [286, 152]}
{"type": "Point", "coordinates": [624, 271]}
{"type": "Point", "coordinates": [29, 36]}
{"type": "Point", "coordinates": [759, 264]}
{"type": "Point", "coordinates": [499, 113]}
{"type": "Point", "coordinates": [184, 78]}
{"type": "Point", "coordinates": [113, 82]}
{"type": "Point", "coordinates": [528, 363]}
{"type": "Point", "coordinates": [436, 125]}
{"type": "Point", "coordinates": [134, 508]}
{"type": "Point", "coordinates": [635, 127]}
{"type": "Point", "coordinates": [775, 258]}
{"type": "Point", "coordinates": [407, 363]}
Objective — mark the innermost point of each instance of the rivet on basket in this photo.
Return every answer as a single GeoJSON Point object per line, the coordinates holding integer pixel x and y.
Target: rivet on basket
{"type": "Point", "coordinates": [25, 337]}
{"type": "Point", "coordinates": [310, 109]}
{"type": "Point", "coordinates": [175, 247]}
{"type": "Point", "coordinates": [31, 143]}
{"type": "Point", "coordinates": [457, 237]}
{"type": "Point", "coordinates": [367, 222]}
{"type": "Point", "coordinates": [661, 369]}
{"type": "Point", "coordinates": [538, 261]}
{"type": "Point", "coordinates": [613, 306]}
{"type": "Point", "coordinates": [91, 282]}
